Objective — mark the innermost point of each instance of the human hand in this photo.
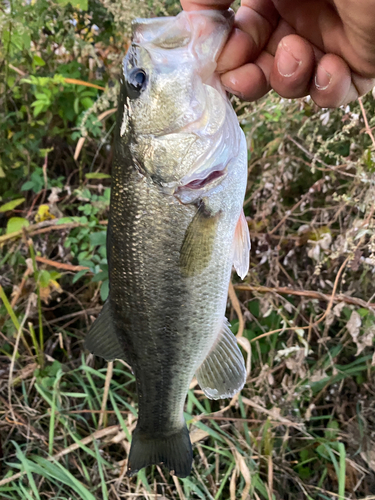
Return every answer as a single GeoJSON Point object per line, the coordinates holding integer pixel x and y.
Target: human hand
{"type": "Point", "coordinates": [322, 48]}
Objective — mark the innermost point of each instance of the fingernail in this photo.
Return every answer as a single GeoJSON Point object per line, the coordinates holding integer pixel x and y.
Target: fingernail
{"type": "Point", "coordinates": [234, 92]}
{"type": "Point", "coordinates": [287, 64]}
{"type": "Point", "coordinates": [228, 89]}
{"type": "Point", "coordinates": [322, 78]}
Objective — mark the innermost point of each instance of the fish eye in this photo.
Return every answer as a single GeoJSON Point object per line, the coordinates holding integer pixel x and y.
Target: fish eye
{"type": "Point", "coordinates": [137, 81]}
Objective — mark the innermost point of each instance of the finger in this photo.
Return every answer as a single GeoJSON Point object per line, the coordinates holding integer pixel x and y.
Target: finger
{"type": "Point", "coordinates": [265, 9]}
{"type": "Point", "coordinates": [362, 84]}
{"type": "Point", "coordinates": [256, 22]}
{"type": "Point", "coordinates": [282, 30]}
{"type": "Point", "coordinates": [238, 50]}
{"type": "Point", "coordinates": [205, 4]}
{"type": "Point", "coordinates": [293, 67]}
{"type": "Point", "coordinates": [335, 85]}
{"type": "Point", "coordinates": [345, 28]}
{"type": "Point", "coordinates": [251, 33]}
{"type": "Point", "coordinates": [250, 81]}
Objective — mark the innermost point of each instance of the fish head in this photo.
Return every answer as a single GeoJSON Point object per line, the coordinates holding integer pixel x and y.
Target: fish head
{"type": "Point", "coordinates": [173, 107]}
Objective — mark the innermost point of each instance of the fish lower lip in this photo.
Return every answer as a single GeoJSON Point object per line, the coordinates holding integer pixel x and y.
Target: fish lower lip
{"type": "Point", "coordinates": [200, 183]}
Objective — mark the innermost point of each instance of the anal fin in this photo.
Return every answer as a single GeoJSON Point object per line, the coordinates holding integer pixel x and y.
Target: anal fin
{"type": "Point", "coordinates": [242, 246]}
{"type": "Point", "coordinates": [222, 374]}
{"type": "Point", "coordinates": [102, 338]}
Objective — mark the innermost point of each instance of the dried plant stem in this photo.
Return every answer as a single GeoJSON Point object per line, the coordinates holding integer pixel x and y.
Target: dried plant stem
{"type": "Point", "coordinates": [305, 293]}
{"type": "Point", "coordinates": [60, 265]}
{"type": "Point", "coordinates": [237, 307]}
{"type": "Point", "coordinates": [367, 126]}
{"type": "Point", "coordinates": [327, 311]}
{"type": "Point", "coordinates": [20, 288]}
{"type": "Point", "coordinates": [41, 227]}
{"type": "Point", "coordinates": [15, 351]}
{"type": "Point", "coordinates": [178, 488]}
{"type": "Point", "coordinates": [108, 378]}
{"type": "Point", "coordinates": [289, 212]}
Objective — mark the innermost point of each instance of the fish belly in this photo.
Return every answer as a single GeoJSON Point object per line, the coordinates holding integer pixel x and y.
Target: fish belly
{"type": "Point", "coordinates": [166, 322]}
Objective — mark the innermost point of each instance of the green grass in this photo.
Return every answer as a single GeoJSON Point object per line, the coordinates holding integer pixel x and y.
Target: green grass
{"type": "Point", "coordinates": [238, 453]}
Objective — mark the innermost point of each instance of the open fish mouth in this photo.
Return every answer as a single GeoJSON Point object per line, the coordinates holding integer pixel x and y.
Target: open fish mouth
{"type": "Point", "coordinates": [195, 187]}
{"type": "Point", "coordinates": [201, 183]}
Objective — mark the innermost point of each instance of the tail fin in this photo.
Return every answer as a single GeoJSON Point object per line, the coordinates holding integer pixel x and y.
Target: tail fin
{"type": "Point", "coordinates": [174, 452]}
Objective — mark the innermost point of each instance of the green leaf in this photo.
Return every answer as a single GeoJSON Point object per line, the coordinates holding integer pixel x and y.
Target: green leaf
{"type": "Point", "coordinates": [41, 96]}
{"type": "Point", "coordinates": [76, 105]}
{"type": "Point", "coordinates": [15, 224]}
{"type": "Point", "coordinates": [78, 4]}
{"type": "Point", "coordinates": [98, 238]}
{"type": "Point", "coordinates": [87, 102]}
{"type": "Point", "coordinates": [63, 2]}
{"type": "Point", "coordinates": [27, 185]}
{"type": "Point", "coordinates": [332, 430]}
{"type": "Point", "coordinates": [79, 275]}
{"type": "Point", "coordinates": [55, 275]}
{"type": "Point", "coordinates": [104, 290]}
{"type": "Point", "coordinates": [11, 204]}
{"type": "Point", "coordinates": [38, 108]}
{"type": "Point", "coordinates": [322, 451]}
{"type": "Point", "coordinates": [103, 275]}
{"type": "Point", "coordinates": [97, 175]}
{"type": "Point", "coordinates": [44, 278]}
{"type": "Point", "coordinates": [87, 263]}
{"type": "Point", "coordinates": [81, 4]}
{"type": "Point", "coordinates": [38, 61]}
{"type": "Point", "coordinates": [26, 40]}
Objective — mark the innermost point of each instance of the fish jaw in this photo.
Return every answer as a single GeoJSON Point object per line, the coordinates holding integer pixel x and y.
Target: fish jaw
{"type": "Point", "coordinates": [175, 123]}
{"type": "Point", "coordinates": [200, 34]}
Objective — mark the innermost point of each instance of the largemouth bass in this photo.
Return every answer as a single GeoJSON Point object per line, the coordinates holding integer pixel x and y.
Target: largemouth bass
{"type": "Point", "coordinates": [175, 228]}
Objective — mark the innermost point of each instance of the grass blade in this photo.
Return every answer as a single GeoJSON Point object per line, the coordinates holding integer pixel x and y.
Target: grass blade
{"type": "Point", "coordinates": [26, 466]}
{"type": "Point", "coordinates": [342, 471]}
{"type": "Point", "coordinates": [101, 474]}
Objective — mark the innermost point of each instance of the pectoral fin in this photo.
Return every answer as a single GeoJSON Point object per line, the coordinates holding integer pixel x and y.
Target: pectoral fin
{"type": "Point", "coordinates": [242, 245]}
{"type": "Point", "coordinates": [222, 374]}
{"type": "Point", "coordinates": [102, 339]}
{"type": "Point", "coordinates": [197, 247]}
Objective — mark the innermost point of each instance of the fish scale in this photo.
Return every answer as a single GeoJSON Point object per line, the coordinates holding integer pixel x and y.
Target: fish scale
{"type": "Point", "coordinates": [145, 291]}
{"type": "Point", "coordinates": [172, 237]}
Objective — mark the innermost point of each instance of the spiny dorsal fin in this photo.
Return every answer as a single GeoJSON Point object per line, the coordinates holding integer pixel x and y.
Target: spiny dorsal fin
{"type": "Point", "coordinates": [196, 249]}
{"type": "Point", "coordinates": [222, 374]}
{"type": "Point", "coordinates": [242, 246]}
{"type": "Point", "coordinates": [102, 338]}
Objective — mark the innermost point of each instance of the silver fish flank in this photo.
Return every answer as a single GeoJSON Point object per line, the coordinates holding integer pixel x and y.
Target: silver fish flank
{"type": "Point", "coordinates": [175, 229]}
